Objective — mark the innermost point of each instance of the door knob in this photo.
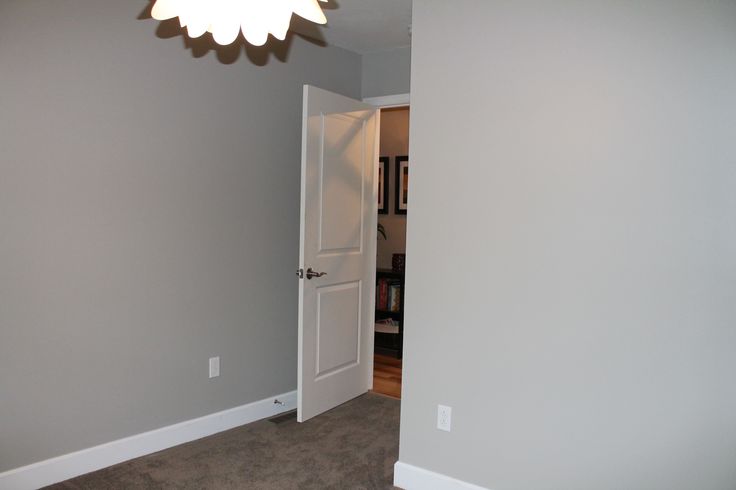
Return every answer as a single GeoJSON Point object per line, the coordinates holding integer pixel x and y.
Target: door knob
{"type": "Point", "coordinates": [311, 273]}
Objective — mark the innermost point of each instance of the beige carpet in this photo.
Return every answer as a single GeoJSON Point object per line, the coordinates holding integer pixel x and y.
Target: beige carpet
{"type": "Point", "coordinates": [353, 446]}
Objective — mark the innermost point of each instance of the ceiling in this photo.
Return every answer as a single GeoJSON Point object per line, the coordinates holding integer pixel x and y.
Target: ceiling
{"type": "Point", "coordinates": [367, 26]}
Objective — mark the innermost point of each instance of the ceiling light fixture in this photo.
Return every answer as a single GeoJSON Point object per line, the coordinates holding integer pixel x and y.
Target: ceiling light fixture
{"type": "Point", "coordinates": [226, 18]}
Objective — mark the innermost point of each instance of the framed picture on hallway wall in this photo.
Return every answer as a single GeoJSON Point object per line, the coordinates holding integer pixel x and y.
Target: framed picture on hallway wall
{"type": "Point", "coordinates": [402, 184]}
{"type": "Point", "coordinates": [383, 164]}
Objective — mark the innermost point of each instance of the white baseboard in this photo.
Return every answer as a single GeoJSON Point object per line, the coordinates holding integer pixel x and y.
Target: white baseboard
{"type": "Point", "coordinates": [411, 477]}
{"type": "Point", "coordinates": [62, 468]}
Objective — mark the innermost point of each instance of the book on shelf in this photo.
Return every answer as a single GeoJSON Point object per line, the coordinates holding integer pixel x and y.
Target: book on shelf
{"type": "Point", "coordinates": [394, 296]}
{"type": "Point", "coordinates": [382, 294]}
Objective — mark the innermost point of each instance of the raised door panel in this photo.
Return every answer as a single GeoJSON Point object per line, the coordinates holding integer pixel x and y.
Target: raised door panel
{"type": "Point", "coordinates": [338, 328]}
{"type": "Point", "coordinates": [342, 184]}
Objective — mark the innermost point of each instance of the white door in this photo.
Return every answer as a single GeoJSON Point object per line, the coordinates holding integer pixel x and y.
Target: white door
{"type": "Point", "coordinates": [337, 241]}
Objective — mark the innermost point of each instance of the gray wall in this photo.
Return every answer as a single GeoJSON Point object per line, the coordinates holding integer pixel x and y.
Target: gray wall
{"type": "Point", "coordinates": [387, 72]}
{"type": "Point", "coordinates": [394, 142]}
{"type": "Point", "coordinates": [571, 272]}
{"type": "Point", "coordinates": [148, 221]}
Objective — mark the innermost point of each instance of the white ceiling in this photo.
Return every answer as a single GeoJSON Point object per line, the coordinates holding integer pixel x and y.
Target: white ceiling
{"type": "Point", "coordinates": [367, 26]}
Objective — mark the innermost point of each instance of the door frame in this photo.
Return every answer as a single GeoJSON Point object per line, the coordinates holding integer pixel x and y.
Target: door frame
{"type": "Point", "coordinates": [383, 102]}
{"type": "Point", "coordinates": [389, 101]}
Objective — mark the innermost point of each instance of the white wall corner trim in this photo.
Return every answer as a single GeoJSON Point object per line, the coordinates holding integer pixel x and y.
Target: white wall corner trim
{"type": "Point", "coordinates": [387, 101]}
{"type": "Point", "coordinates": [411, 477]}
{"type": "Point", "coordinates": [62, 468]}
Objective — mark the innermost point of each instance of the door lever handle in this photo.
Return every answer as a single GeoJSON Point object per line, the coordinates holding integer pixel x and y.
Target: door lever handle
{"type": "Point", "coordinates": [311, 273]}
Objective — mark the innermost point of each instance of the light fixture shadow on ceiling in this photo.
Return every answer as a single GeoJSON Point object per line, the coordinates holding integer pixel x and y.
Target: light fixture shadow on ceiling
{"type": "Point", "coordinates": [258, 55]}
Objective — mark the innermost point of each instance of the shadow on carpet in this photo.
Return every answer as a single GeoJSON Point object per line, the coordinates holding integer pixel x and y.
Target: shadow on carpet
{"type": "Point", "coordinates": [353, 446]}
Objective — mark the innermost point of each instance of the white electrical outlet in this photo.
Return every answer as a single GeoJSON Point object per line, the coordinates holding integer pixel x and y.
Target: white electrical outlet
{"type": "Point", "coordinates": [444, 418]}
{"type": "Point", "coordinates": [214, 367]}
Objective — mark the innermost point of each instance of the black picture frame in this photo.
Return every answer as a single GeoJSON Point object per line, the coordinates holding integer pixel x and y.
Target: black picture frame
{"type": "Point", "coordinates": [383, 165]}
{"type": "Point", "coordinates": [402, 184]}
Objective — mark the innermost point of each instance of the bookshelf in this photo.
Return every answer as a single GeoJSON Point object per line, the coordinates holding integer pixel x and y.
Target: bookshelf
{"type": "Point", "coordinates": [390, 343]}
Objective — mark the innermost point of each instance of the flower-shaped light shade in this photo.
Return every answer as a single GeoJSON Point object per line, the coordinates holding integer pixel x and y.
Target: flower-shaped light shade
{"type": "Point", "coordinates": [225, 18]}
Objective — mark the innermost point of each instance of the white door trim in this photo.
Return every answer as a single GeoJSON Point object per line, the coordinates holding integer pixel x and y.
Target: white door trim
{"type": "Point", "coordinates": [387, 101]}
{"type": "Point", "coordinates": [383, 102]}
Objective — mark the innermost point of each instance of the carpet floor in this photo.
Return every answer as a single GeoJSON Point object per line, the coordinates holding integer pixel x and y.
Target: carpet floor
{"type": "Point", "coordinates": [353, 446]}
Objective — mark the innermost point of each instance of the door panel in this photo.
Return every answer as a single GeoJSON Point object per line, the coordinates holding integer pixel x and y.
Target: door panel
{"type": "Point", "coordinates": [338, 327]}
{"type": "Point", "coordinates": [341, 220]}
{"type": "Point", "coordinates": [337, 237]}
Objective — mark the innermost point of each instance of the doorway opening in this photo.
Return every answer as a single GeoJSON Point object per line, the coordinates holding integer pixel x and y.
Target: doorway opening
{"type": "Point", "coordinates": [393, 182]}
{"type": "Point", "coordinates": [338, 253]}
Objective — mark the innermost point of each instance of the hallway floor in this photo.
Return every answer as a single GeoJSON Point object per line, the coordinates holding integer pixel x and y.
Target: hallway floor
{"type": "Point", "coordinates": [387, 375]}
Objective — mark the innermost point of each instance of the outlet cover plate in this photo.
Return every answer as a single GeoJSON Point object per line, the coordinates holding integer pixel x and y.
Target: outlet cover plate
{"type": "Point", "coordinates": [444, 418]}
{"type": "Point", "coordinates": [214, 367]}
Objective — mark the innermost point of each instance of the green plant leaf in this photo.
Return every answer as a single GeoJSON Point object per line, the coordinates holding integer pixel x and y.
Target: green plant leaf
{"type": "Point", "coordinates": [382, 231]}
